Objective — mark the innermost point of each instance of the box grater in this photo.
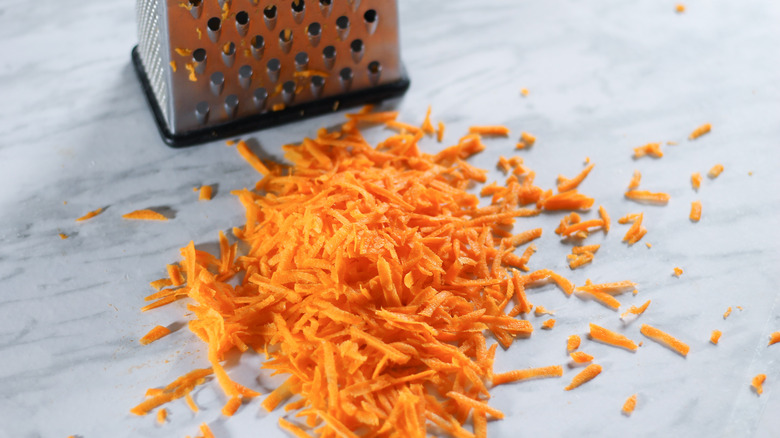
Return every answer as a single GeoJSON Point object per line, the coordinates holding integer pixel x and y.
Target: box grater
{"type": "Point", "coordinates": [212, 69]}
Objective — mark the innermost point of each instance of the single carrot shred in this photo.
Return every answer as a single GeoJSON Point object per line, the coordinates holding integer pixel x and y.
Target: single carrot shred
{"type": "Point", "coordinates": [527, 139]}
{"type": "Point", "coordinates": [678, 272]}
{"type": "Point", "coordinates": [715, 336]}
{"type": "Point", "coordinates": [758, 383]}
{"type": "Point", "coordinates": [251, 158]}
{"type": "Point", "coordinates": [427, 126]}
{"type": "Point", "coordinates": [727, 313]}
{"type": "Point", "coordinates": [548, 324]}
{"type": "Point", "coordinates": [635, 180]}
{"type": "Point", "coordinates": [292, 428]}
{"type": "Point", "coordinates": [648, 197]}
{"type": "Point", "coordinates": [580, 357]}
{"type": "Point", "coordinates": [440, 132]}
{"type": "Point", "coordinates": [90, 215]}
{"type": "Point", "coordinates": [496, 130]}
{"type": "Point", "coordinates": [651, 149]}
{"type": "Point", "coordinates": [154, 334]}
{"type": "Point", "coordinates": [701, 130]}
{"type": "Point", "coordinates": [527, 374]}
{"type": "Point", "coordinates": [695, 215]}
{"type": "Point", "coordinates": [715, 171]}
{"type": "Point", "coordinates": [629, 405]}
{"type": "Point", "coordinates": [665, 339]}
{"type": "Point", "coordinates": [191, 403]}
{"type": "Point", "coordinates": [696, 180]}
{"type": "Point", "coordinates": [162, 415]}
{"type": "Point", "coordinates": [524, 91]}
{"type": "Point", "coordinates": [604, 218]}
{"type": "Point", "coordinates": [586, 375]}
{"type": "Point", "coordinates": [205, 193]}
{"type": "Point", "coordinates": [612, 338]}
{"type": "Point", "coordinates": [206, 431]}
{"type": "Point", "coordinates": [636, 310]}
{"type": "Point", "coordinates": [774, 338]}
{"type": "Point", "coordinates": [145, 215]}
{"type": "Point", "coordinates": [63, 236]}
{"type": "Point", "coordinates": [572, 343]}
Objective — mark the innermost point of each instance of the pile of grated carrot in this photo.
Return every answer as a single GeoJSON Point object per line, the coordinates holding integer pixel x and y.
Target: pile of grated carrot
{"type": "Point", "coordinates": [374, 281]}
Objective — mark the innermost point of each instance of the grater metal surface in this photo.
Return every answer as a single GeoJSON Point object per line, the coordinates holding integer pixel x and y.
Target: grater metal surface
{"type": "Point", "coordinates": [216, 68]}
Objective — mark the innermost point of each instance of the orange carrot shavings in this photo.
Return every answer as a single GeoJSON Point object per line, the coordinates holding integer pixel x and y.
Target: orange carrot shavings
{"type": "Point", "coordinates": [609, 337]}
{"type": "Point", "coordinates": [651, 149]}
{"type": "Point", "coordinates": [477, 405]}
{"type": "Point", "coordinates": [570, 200]}
{"type": "Point", "coordinates": [727, 313]}
{"type": "Point", "coordinates": [527, 139]}
{"type": "Point", "coordinates": [549, 324]}
{"type": "Point", "coordinates": [162, 414]}
{"type": "Point", "coordinates": [154, 334]}
{"type": "Point", "coordinates": [63, 236]}
{"type": "Point", "coordinates": [581, 255]}
{"type": "Point", "coordinates": [540, 310]}
{"type": "Point", "coordinates": [715, 171]}
{"type": "Point", "coordinates": [191, 403]}
{"type": "Point", "coordinates": [496, 130]}
{"type": "Point", "coordinates": [531, 373]}
{"type": "Point", "coordinates": [635, 180]}
{"type": "Point", "coordinates": [205, 193]}
{"type": "Point", "coordinates": [665, 339]}
{"type": "Point", "coordinates": [715, 336]}
{"type": "Point", "coordinates": [695, 215]}
{"type": "Point", "coordinates": [251, 158]}
{"type": "Point", "coordinates": [648, 197]}
{"type": "Point", "coordinates": [696, 180]}
{"type": "Point", "coordinates": [774, 338]}
{"type": "Point", "coordinates": [680, 8]}
{"type": "Point", "coordinates": [145, 215]}
{"type": "Point", "coordinates": [524, 91]}
{"type": "Point", "coordinates": [678, 272]}
{"type": "Point", "coordinates": [231, 406]}
{"type": "Point", "coordinates": [604, 218]}
{"type": "Point", "coordinates": [292, 428]}
{"type": "Point", "coordinates": [629, 405]}
{"type": "Point", "coordinates": [175, 390]}
{"type": "Point", "coordinates": [580, 357]}
{"type": "Point", "coordinates": [427, 126]}
{"type": "Point", "coordinates": [701, 130]}
{"type": "Point", "coordinates": [758, 383]}
{"type": "Point", "coordinates": [206, 431]}
{"type": "Point", "coordinates": [440, 132]}
{"type": "Point", "coordinates": [586, 375]}
{"type": "Point", "coordinates": [90, 215]}
{"type": "Point", "coordinates": [636, 231]}
{"type": "Point", "coordinates": [635, 310]}
{"type": "Point", "coordinates": [572, 343]}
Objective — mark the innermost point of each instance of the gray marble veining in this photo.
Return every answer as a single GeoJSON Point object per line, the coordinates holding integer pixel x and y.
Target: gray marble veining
{"type": "Point", "coordinates": [604, 76]}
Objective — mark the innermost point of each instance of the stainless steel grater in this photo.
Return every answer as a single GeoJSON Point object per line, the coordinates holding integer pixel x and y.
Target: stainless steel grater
{"type": "Point", "coordinates": [217, 68]}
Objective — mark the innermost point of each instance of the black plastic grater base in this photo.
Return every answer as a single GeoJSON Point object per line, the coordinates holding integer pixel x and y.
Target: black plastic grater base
{"type": "Point", "coordinates": [268, 119]}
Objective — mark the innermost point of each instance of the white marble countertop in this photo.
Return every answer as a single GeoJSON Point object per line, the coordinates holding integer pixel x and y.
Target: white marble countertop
{"type": "Point", "coordinates": [604, 76]}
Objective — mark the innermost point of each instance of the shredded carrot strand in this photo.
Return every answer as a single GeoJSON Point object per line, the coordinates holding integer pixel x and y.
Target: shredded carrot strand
{"type": "Point", "coordinates": [251, 158]}
{"type": "Point", "coordinates": [715, 336]}
{"type": "Point", "coordinates": [612, 338]}
{"type": "Point", "coordinates": [696, 180]}
{"type": "Point", "coordinates": [527, 374]}
{"type": "Point", "coordinates": [90, 215]}
{"type": "Point", "coordinates": [665, 339]}
{"type": "Point", "coordinates": [145, 215]}
{"type": "Point", "coordinates": [206, 431]}
{"type": "Point", "coordinates": [205, 193]}
{"type": "Point", "coordinates": [629, 405]}
{"type": "Point", "coordinates": [695, 215]}
{"type": "Point", "coordinates": [497, 130]}
{"type": "Point", "coordinates": [572, 343]}
{"type": "Point", "coordinates": [580, 357]}
{"type": "Point", "coordinates": [715, 171]}
{"type": "Point", "coordinates": [758, 383]}
{"type": "Point", "coordinates": [651, 149]}
{"type": "Point", "coordinates": [154, 334]}
{"type": "Point", "coordinates": [586, 375]}
{"type": "Point", "coordinates": [774, 338]}
{"type": "Point", "coordinates": [648, 197]}
{"type": "Point", "coordinates": [701, 130]}
{"type": "Point", "coordinates": [635, 180]}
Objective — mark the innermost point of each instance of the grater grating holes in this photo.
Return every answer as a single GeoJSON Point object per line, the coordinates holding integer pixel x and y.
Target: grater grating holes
{"type": "Point", "coordinates": [258, 46]}
{"type": "Point", "coordinates": [298, 10]}
{"type": "Point", "coordinates": [374, 71]}
{"type": "Point", "coordinates": [325, 7]}
{"type": "Point", "coordinates": [242, 22]}
{"type": "Point", "coordinates": [269, 15]}
{"type": "Point", "coordinates": [286, 40]}
{"type": "Point", "coordinates": [356, 47]}
{"type": "Point", "coordinates": [273, 67]}
{"type": "Point", "coordinates": [314, 30]}
{"type": "Point", "coordinates": [329, 56]}
{"type": "Point", "coordinates": [346, 76]}
{"type": "Point", "coordinates": [214, 28]}
{"type": "Point", "coordinates": [370, 17]}
{"type": "Point", "coordinates": [342, 27]}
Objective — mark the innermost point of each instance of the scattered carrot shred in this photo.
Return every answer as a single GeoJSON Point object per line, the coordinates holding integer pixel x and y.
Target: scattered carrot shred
{"type": "Point", "coordinates": [527, 139]}
{"type": "Point", "coordinates": [440, 132]}
{"type": "Point", "coordinates": [191, 403]}
{"type": "Point", "coordinates": [774, 338]}
{"type": "Point", "coordinates": [604, 218]}
{"type": "Point", "coordinates": [540, 310]}
{"type": "Point", "coordinates": [635, 310]}
{"type": "Point", "coordinates": [715, 171]}
{"type": "Point", "coordinates": [695, 215]}
{"type": "Point", "coordinates": [648, 197]}
{"type": "Point", "coordinates": [527, 374]}
{"type": "Point", "coordinates": [629, 405]}
{"type": "Point", "coordinates": [292, 428]}
{"type": "Point", "coordinates": [63, 236]}
{"type": "Point", "coordinates": [251, 158]}
{"type": "Point", "coordinates": [680, 8]}
{"type": "Point", "coordinates": [715, 336]}
{"type": "Point", "coordinates": [586, 375]}
{"type": "Point", "coordinates": [565, 184]}
{"type": "Point", "coordinates": [144, 215]}
{"type": "Point", "coordinates": [651, 149]}
{"type": "Point", "coordinates": [580, 357]}
{"type": "Point", "coordinates": [569, 200]}
{"type": "Point", "coordinates": [727, 313]}
{"type": "Point", "coordinates": [427, 126]}
{"type": "Point", "coordinates": [206, 431]}
{"type": "Point", "coordinates": [549, 324]}
{"type": "Point", "coordinates": [678, 272]}
{"type": "Point", "coordinates": [231, 406]}
{"type": "Point", "coordinates": [696, 180]}
{"type": "Point", "coordinates": [758, 383]}
{"type": "Point", "coordinates": [612, 338]}
{"type": "Point", "coordinates": [154, 334]}
{"type": "Point", "coordinates": [90, 215]}
{"type": "Point", "coordinates": [648, 244]}
{"type": "Point", "coordinates": [175, 390]}
{"type": "Point", "coordinates": [205, 193]}
{"type": "Point", "coordinates": [524, 91]}
{"type": "Point", "coordinates": [572, 343]}
{"type": "Point", "coordinates": [665, 339]}
{"type": "Point", "coordinates": [497, 130]}
{"type": "Point", "coordinates": [635, 180]}
{"type": "Point", "coordinates": [162, 415]}
{"type": "Point", "coordinates": [701, 130]}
